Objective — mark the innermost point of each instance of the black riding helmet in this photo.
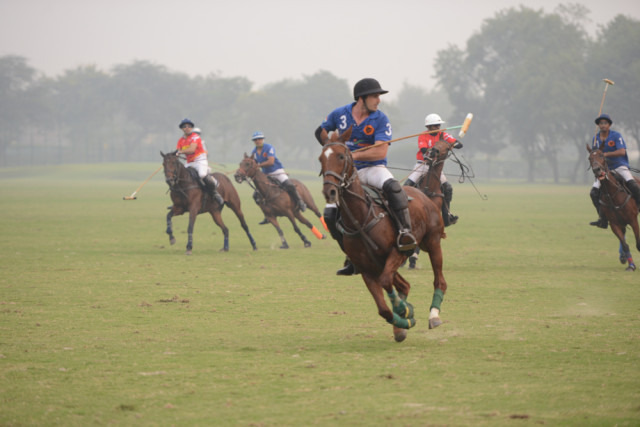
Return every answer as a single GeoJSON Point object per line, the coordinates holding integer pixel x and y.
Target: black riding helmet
{"type": "Point", "coordinates": [604, 117]}
{"type": "Point", "coordinates": [366, 87]}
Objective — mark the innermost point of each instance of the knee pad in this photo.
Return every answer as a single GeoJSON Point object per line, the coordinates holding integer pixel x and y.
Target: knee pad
{"type": "Point", "coordinates": [447, 190]}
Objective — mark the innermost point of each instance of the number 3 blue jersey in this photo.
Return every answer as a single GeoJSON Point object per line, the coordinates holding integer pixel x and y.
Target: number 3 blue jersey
{"type": "Point", "coordinates": [374, 128]}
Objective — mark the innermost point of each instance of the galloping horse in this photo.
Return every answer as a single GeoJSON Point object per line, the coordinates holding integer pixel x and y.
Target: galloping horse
{"type": "Point", "coordinates": [430, 183]}
{"type": "Point", "coordinates": [188, 196]}
{"type": "Point", "coordinates": [370, 237]}
{"type": "Point", "coordinates": [617, 205]}
{"type": "Point", "coordinates": [277, 202]}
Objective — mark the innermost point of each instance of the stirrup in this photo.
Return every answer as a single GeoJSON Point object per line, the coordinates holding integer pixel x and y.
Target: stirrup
{"type": "Point", "coordinates": [403, 245]}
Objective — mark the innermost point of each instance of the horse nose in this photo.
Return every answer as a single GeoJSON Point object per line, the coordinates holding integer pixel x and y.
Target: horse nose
{"type": "Point", "coordinates": [331, 195]}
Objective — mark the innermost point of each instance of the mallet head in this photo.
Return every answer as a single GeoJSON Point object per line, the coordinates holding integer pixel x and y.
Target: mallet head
{"type": "Point", "coordinates": [609, 82]}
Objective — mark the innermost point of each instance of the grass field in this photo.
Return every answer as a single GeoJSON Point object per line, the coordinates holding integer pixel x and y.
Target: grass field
{"type": "Point", "coordinates": [102, 322]}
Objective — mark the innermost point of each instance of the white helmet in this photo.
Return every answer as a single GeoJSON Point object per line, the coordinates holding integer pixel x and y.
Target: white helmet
{"type": "Point", "coordinates": [433, 119]}
{"type": "Point", "coordinates": [197, 130]}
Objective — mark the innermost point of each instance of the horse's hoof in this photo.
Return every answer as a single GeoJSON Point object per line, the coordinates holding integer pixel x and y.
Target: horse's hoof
{"type": "Point", "coordinates": [285, 246]}
{"type": "Point", "coordinates": [632, 267]}
{"type": "Point", "coordinates": [399, 334]}
{"type": "Point", "coordinates": [307, 244]}
{"type": "Point", "coordinates": [172, 240]}
{"type": "Point", "coordinates": [224, 250]}
{"type": "Point", "coordinates": [188, 252]}
{"type": "Point", "coordinates": [434, 322]}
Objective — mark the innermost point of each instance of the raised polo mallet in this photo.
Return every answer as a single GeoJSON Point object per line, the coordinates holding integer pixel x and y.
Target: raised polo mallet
{"type": "Point", "coordinates": [133, 195]}
{"type": "Point", "coordinates": [607, 83]}
{"type": "Point", "coordinates": [465, 125]}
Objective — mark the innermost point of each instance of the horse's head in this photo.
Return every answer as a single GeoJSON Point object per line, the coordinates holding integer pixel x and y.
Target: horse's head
{"type": "Point", "coordinates": [171, 164]}
{"type": "Point", "coordinates": [598, 163]}
{"type": "Point", "coordinates": [337, 166]}
{"type": "Point", "coordinates": [438, 153]}
{"type": "Point", "coordinates": [248, 168]}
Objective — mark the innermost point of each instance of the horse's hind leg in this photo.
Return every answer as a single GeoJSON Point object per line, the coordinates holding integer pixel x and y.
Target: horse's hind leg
{"type": "Point", "coordinates": [307, 243]}
{"type": "Point", "coordinates": [619, 232]}
{"type": "Point", "coordinates": [312, 227]}
{"type": "Point", "coordinates": [217, 218]}
{"type": "Point", "coordinates": [236, 210]}
{"type": "Point", "coordinates": [169, 230]}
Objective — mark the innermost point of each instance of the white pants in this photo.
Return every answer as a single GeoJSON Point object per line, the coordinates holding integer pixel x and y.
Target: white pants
{"type": "Point", "coordinates": [374, 176]}
{"type": "Point", "coordinates": [623, 171]}
{"type": "Point", "coordinates": [279, 174]}
{"type": "Point", "coordinates": [422, 168]}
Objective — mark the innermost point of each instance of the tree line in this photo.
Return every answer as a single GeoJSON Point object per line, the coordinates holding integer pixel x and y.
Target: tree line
{"type": "Point", "coordinates": [533, 81]}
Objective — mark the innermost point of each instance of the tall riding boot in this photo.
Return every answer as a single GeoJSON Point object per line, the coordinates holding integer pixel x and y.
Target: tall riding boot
{"type": "Point", "coordinates": [295, 196]}
{"type": "Point", "coordinates": [330, 218]}
{"type": "Point", "coordinates": [399, 203]}
{"type": "Point", "coordinates": [635, 190]}
{"type": "Point", "coordinates": [212, 185]}
{"type": "Point", "coordinates": [409, 183]}
{"type": "Point", "coordinates": [447, 216]}
{"type": "Point", "coordinates": [595, 198]}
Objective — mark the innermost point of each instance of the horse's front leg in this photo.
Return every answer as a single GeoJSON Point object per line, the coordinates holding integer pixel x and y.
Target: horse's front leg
{"type": "Point", "coordinates": [274, 222]}
{"type": "Point", "coordinates": [169, 230]}
{"type": "Point", "coordinates": [193, 213]}
{"type": "Point", "coordinates": [619, 231]}
{"type": "Point", "coordinates": [306, 242]}
{"type": "Point", "coordinates": [439, 284]}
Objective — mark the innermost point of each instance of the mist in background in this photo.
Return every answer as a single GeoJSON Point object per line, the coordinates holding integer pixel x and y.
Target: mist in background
{"type": "Point", "coordinates": [109, 82]}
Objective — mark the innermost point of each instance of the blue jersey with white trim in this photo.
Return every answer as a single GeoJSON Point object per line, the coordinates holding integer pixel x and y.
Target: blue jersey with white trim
{"type": "Point", "coordinates": [267, 151]}
{"type": "Point", "coordinates": [375, 127]}
{"type": "Point", "coordinates": [612, 142]}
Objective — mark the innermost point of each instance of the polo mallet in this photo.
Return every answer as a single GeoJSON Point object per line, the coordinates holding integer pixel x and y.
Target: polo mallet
{"type": "Point", "coordinates": [464, 127]}
{"type": "Point", "coordinates": [133, 195]}
{"type": "Point", "coordinates": [607, 83]}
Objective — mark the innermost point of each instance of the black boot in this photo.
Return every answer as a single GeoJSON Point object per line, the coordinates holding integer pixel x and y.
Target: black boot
{"type": "Point", "coordinates": [635, 190]}
{"type": "Point", "coordinates": [409, 183]}
{"type": "Point", "coordinates": [295, 196]}
{"type": "Point", "coordinates": [348, 270]}
{"type": "Point", "coordinates": [212, 185]}
{"type": "Point", "coordinates": [399, 203]}
{"type": "Point", "coordinates": [447, 216]}
{"type": "Point", "coordinates": [595, 199]}
{"type": "Point", "coordinates": [330, 215]}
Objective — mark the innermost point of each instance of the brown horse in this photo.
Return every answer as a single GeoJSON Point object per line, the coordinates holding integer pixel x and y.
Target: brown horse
{"type": "Point", "coordinates": [370, 237]}
{"type": "Point", "coordinates": [277, 202]}
{"type": "Point", "coordinates": [617, 205]}
{"type": "Point", "coordinates": [188, 195]}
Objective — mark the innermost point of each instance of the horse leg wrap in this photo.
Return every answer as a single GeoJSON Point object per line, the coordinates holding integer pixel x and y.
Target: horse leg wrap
{"type": "Point", "coordinates": [400, 306]}
{"type": "Point", "coordinates": [402, 323]}
{"type": "Point", "coordinates": [438, 296]}
{"type": "Point", "coordinates": [317, 233]}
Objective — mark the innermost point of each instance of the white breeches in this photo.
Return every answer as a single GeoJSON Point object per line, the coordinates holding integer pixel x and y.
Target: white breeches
{"type": "Point", "coordinates": [623, 171]}
{"type": "Point", "coordinates": [422, 168]}
{"type": "Point", "coordinates": [279, 174]}
{"type": "Point", "coordinates": [200, 164]}
{"type": "Point", "coordinates": [374, 176]}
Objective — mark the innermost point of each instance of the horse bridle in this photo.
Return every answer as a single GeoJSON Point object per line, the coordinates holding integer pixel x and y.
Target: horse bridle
{"type": "Point", "coordinates": [343, 184]}
{"type": "Point", "coordinates": [344, 181]}
{"type": "Point", "coordinates": [602, 166]}
{"type": "Point", "coordinates": [175, 180]}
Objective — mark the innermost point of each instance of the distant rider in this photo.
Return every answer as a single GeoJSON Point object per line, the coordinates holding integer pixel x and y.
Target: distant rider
{"type": "Point", "coordinates": [265, 155]}
{"type": "Point", "coordinates": [614, 148]}
{"type": "Point", "coordinates": [194, 148]}
{"type": "Point", "coordinates": [426, 141]}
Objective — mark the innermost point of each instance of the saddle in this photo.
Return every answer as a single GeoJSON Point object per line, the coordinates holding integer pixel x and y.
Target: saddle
{"type": "Point", "coordinates": [196, 178]}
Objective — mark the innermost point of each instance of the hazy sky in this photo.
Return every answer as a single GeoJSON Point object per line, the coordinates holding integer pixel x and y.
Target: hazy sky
{"type": "Point", "coordinates": [264, 40]}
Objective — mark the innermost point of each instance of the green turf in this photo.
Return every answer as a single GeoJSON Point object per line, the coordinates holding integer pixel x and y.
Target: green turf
{"type": "Point", "coordinates": [102, 322]}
